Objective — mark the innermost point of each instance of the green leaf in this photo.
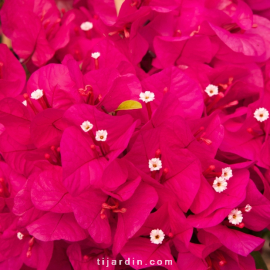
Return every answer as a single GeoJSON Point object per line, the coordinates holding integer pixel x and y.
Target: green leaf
{"type": "Point", "coordinates": [129, 105]}
{"type": "Point", "coordinates": [260, 264]}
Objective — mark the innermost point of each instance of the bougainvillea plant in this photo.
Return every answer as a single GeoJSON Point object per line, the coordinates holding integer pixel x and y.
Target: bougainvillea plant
{"type": "Point", "coordinates": [134, 135]}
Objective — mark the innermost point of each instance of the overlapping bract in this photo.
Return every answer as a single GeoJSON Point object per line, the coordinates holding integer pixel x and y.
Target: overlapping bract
{"type": "Point", "coordinates": [72, 196]}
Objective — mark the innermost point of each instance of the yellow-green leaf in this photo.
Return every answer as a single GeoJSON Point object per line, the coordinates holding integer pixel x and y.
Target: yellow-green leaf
{"type": "Point", "coordinates": [129, 105]}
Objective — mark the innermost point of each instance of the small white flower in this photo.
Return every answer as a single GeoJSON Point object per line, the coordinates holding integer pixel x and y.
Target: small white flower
{"type": "Point", "coordinates": [211, 90]}
{"type": "Point", "coordinates": [261, 114]}
{"type": "Point", "coordinates": [155, 164]}
{"type": "Point", "coordinates": [101, 135]}
{"type": "Point", "coordinates": [37, 94]}
{"type": "Point", "coordinates": [20, 235]}
{"type": "Point", "coordinates": [147, 96]}
{"type": "Point", "coordinates": [86, 126]}
{"type": "Point", "coordinates": [95, 55]}
{"type": "Point", "coordinates": [220, 184]}
{"type": "Point", "coordinates": [157, 236]}
{"type": "Point", "coordinates": [248, 208]}
{"type": "Point", "coordinates": [235, 217]}
{"type": "Point", "coordinates": [183, 67]}
{"type": "Point", "coordinates": [86, 26]}
{"type": "Point", "coordinates": [24, 103]}
{"type": "Point", "coordinates": [227, 173]}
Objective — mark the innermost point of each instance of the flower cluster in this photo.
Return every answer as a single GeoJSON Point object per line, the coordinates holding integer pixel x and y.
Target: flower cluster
{"type": "Point", "coordinates": [138, 132]}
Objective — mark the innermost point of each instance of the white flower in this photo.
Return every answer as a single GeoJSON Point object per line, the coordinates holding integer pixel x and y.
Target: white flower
{"type": "Point", "coordinates": [95, 55]}
{"type": "Point", "coordinates": [183, 67]}
{"type": "Point", "coordinates": [86, 126]}
{"type": "Point", "coordinates": [155, 164]}
{"type": "Point", "coordinates": [20, 235]}
{"type": "Point", "coordinates": [86, 26]}
{"type": "Point", "coordinates": [37, 94]}
{"type": "Point", "coordinates": [261, 114]}
{"type": "Point", "coordinates": [220, 184]}
{"type": "Point", "coordinates": [211, 90]}
{"type": "Point", "coordinates": [235, 217]}
{"type": "Point", "coordinates": [248, 208]}
{"type": "Point", "coordinates": [227, 173]}
{"type": "Point", "coordinates": [101, 135]}
{"type": "Point", "coordinates": [24, 103]}
{"type": "Point", "coordinates": [157, 236]}
{"type": "Point", "coordinates": [147, 96]}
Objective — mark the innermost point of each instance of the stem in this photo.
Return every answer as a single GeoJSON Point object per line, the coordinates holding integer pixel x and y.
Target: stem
{"type": "Point", "coordinates": [98, 99]}
{"type": "Point", "coordinates": [96, 64]}
{"type": "Point", "coordinates": [153, 174]}
{"type": "Point", "coordinates": [42, 103]}
{"type": "Point", "coordinates": [214, 102]}
{"type": "Point", "coordinates": [252, 132]}
{"type": "Point", "coordinates": [227, 223]}
{"type": "Point", "coordinates": [57, 154]}
{"type": "Point", "coordinates": [94, 149]}
{"type": "Point", "coordinates": [77, 55]}
{"type": "Point", "coordinates": [46, 100]}
{"type": "Point", "coordinates": [213, 174]}
{"type": "Point", "coordinates": [163, 176]}
{"type": "Point", "coordinates": [1, 70]}
{"type": "Point", "coordinates": [49, 158]}
{"type": "Point", "coordinates": [104, 110]}
{"type": "Point", "coordinates": [89, 92]}
{"type": "Point", "coordinates": [149, 110]}
{"type": "Point", "coordinates": [88, 34]}
{"type": "Point", "coordinates": [198, 131]}
{"type": "Point", "coordinates": [103, 150]}
{"type": "Point", "coordinates": [158, 153]}
{"type": "Point", "coordinates": [262, 126]}
{"type": "Point", "coordinates": [30, 103]}
{"type": "Point", "coordinates": [233, 103]}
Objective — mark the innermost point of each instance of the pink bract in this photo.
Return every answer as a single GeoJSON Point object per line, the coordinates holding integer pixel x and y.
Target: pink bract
{"type": "Point", "coordinates": [138, 134]}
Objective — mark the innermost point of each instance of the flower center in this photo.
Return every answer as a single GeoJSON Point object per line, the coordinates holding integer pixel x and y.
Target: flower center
{"type": "Point", "coordinates": [101, 135]}
{"type": "Point", "coordinates": [114, 208]}
{"type": "Point", "coordinates": [88, 93]}
{"type": "Point", "coordinates": [261, 115]}
{"type": "Point", "coordinates": [20, 236]}
{"type": "Point", "coordinates": [124, 32]}
{"type": "Point", "coordinates": [55, 157]}
{"type": "Point", "coordinates": [157, 236]}
{"type": "Point", "coordinates": [50, 27]}
{"type": "Point", "coordinates": [233, 28]}
{"type": "Point", "coordinates": [203, 139]}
